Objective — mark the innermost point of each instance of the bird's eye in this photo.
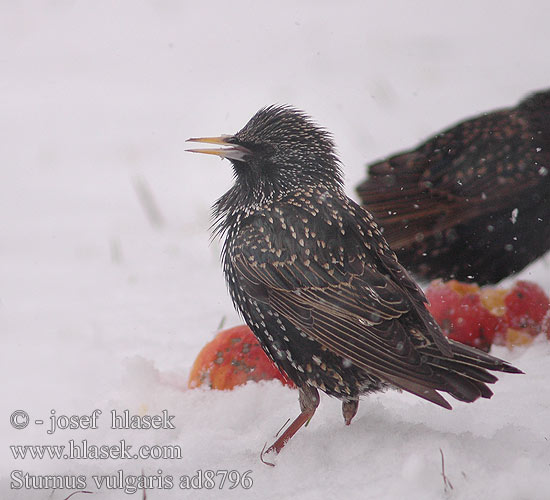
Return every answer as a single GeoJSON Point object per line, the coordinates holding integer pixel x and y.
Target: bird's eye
{"type": "Point", "coordinates": [250, 145]}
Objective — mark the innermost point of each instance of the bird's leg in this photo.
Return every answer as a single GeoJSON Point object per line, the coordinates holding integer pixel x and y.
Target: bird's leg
{"type": "Point", "coordinates": [349, 409]}
{"type": "Point", "coordinates": [309, 401]}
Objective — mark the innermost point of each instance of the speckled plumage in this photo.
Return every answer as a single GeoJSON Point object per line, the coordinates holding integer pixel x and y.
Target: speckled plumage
{"type": "Point", "coordinates": [316, 281]}
{"type": "Point", "coordinates": [473, 202]}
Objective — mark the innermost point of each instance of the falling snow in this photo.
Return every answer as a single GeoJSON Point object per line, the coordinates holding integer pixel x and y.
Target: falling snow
{"type": "Point", "coordinates": [514, 217]}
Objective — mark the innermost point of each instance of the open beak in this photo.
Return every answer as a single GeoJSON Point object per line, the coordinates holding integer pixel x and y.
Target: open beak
{"type": "Point", "coordinates": [232, 152]}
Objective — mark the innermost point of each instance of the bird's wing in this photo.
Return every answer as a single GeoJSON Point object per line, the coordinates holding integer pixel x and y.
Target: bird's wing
{"type": "Point", "coordinates": [353, 308]}
{"type": "Point", "coordinates": [483, 160]}
{"type": "Point", "coordinates": [471, 169]}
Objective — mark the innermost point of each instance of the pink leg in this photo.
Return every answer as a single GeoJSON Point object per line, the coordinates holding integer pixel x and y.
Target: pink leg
{"type": "Point", "coordinates": [349, 409]}
{"type": "Point", "coordinates": [309, 401]}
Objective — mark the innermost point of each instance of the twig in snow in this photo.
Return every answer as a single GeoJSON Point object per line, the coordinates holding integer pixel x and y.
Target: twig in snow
{"type": "Point", "coordinates": [284, 425]}
{"type": "Point", "coordinates": [77, 492]}
{"type": "Point", "coordinates": [144, 497]}
{"type": "Point", "coordinates": [147, 200]}
{"type": "Point", "coordinates": [447, 483]}
{"type": "Point", "coordinates": [116, 254]}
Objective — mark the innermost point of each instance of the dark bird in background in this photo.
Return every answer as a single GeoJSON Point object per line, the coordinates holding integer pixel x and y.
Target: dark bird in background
{"type": "Point", "coordinates": [317, 283]}
{"type": "Point", "coordinates": [473, 202]}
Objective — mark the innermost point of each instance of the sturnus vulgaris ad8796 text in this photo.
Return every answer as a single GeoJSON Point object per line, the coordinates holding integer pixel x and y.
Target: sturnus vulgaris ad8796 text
{"type": "Point", "coordinates": [317, 283]}
{"type": "Point", "coordinates": [473, 202]}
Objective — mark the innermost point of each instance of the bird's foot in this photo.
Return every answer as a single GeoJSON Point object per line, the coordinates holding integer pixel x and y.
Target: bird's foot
{"type": "Point", "coordinates": [349, 410]}
{"type": "Point", "coordinates": [309, 400]}
{"type": "Point", "coordinates": [292, 429]}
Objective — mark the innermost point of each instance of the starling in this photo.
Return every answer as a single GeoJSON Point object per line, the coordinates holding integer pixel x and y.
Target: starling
{"type": "Point", "coordinates": [473, 202]}
{"type": "Point", "coordinates": [315, 280]}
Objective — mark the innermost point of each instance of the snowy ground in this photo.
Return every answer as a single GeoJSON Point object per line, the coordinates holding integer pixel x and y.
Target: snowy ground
{"type": "Point", "coordinates": [100, 308]}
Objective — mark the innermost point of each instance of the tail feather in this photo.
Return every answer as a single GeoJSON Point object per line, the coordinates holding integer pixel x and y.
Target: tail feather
{"type": "Point", "coordinates": [478, 374]}
{"type": "Point", "coordinates": [481, 359]}
{"type": "Point", "coordinates": [464, 375]}
{"type": "Point", "coordinates": [463, 388]}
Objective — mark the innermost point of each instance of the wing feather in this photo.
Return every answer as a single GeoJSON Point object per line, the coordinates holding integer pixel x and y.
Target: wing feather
{"type": "Point", "coordinates": [353, 319]}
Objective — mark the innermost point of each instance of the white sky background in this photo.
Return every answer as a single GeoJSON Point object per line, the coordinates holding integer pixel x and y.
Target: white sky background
{"type": "Point", "coordinates": [93, 96]}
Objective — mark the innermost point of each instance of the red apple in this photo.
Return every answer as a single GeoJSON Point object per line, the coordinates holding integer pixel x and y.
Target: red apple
{"type": "Point", "coordinates": [234, 357]}
{"type": "Point", "coordinates": [482, 316]}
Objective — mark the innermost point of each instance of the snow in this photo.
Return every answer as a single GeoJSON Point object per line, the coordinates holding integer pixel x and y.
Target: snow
{"type": "Point", "coordinates": [104, 306]}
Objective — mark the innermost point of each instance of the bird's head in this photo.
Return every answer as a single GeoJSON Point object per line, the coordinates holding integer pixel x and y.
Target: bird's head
{"type": "Point", "coordinates": [280, 150]}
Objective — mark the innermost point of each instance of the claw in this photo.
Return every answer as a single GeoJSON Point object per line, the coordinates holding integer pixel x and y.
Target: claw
{"type": "Point", "coordinates": [262, 453]}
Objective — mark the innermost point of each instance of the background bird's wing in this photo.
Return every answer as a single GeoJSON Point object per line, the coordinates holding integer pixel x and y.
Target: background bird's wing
{"type": "Point", "coordinates": [354, 309]}
{"type": "Point", "coordinates": [474, 168]}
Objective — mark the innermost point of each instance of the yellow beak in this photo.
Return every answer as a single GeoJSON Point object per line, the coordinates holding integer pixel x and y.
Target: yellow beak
{"type": "Point", "coordinates": [232, 152]}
